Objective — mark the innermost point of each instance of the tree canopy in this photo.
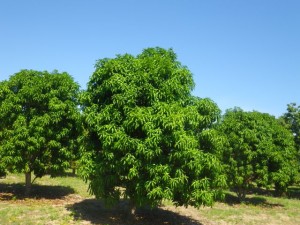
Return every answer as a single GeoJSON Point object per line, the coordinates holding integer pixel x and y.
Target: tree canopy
{"type": "Point", "coordinates": [292, 118]}
{"type": "Point", "coordinates": [38, 116]}
{"type": "Point", "coordinates": [142, 132]}
{"type": "Point", "coordinates": [259, 151]}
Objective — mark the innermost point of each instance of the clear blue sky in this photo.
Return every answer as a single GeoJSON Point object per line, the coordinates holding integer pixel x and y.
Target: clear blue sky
{"type": "Point", "coordinates": [242, 53]}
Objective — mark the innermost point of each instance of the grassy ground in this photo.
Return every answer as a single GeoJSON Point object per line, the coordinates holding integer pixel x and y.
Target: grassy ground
{"type": "Point", "coordinates": [255, 210]}
{"type": "Point", "coordinates": [65, 200]}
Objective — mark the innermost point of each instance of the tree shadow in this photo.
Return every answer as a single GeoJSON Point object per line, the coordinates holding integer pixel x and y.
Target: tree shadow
{"type": "Point", "coordinates": [262, 191]}
{"type": "Point", "coordinates": [294, 192]}
{"type": "Point", "coordinates": [65, 174]}
{"type": "Point", "coordinates": [17, 191]}
{"type": "Point", "coordinates": [231, 199]}
{"type": "Point", "coordinates": [95, 212]}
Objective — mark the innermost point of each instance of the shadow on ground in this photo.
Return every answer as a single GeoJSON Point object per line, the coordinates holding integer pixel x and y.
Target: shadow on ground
{"type": "Point", "coordinates": [17, 191]}
{"type": "Point", "coordinates": [294, 192]}
{"type": "Point", "coordinates": [95, 212]}
{"type": "Point", "coordinates": [232, 199]}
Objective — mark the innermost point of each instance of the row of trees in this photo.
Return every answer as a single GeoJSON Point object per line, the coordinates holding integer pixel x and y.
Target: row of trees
{"type": "Point", "coordinates": [140, 134]}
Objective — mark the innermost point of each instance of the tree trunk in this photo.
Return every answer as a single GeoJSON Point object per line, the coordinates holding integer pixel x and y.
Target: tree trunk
{"type": "Point", "coordinates": [74, 167]}
{"type": "Point", "coordinates": [27, 183]}
{"type": "Point", "coordinates": [133, 210]}
{"type": "Point", "coordinates": [130, 210]}
{"type": "Point", "coordinates": [241, 194]}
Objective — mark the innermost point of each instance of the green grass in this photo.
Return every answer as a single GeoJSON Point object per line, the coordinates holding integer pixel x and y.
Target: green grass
{"type": "Point", "coordinates": [65, 200]}
{"type": "Point", "coordinates": [26, 213]}
{"type": "Point", "coordinates": [46, 204]}
{"type": "Point", "coordinates": [67, 181]}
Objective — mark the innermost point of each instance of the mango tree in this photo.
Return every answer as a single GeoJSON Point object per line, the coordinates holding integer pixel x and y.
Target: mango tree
{"type": "Point", "coordinates": [260, 152]}
{"type": "Point", "coordinates": [39, 118]}
{"type": "Point", "coordinates": [142, 128]}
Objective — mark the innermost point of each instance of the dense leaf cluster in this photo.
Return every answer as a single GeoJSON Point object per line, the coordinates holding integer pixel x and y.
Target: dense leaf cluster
{"type": "Point", "coordinates": [258, 151]}
{"type": "Point", "coordinates": [144, 128]}
{"type": "Point", "coordinates": [38, 117]}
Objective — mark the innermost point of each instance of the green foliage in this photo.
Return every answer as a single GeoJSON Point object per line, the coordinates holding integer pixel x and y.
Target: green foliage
{"type": "Point", "coordinates": [142, 133]}
{"type": "Point", "coordinates": [292, 118]}
{"type": "Point", "coordinates": [38, 117]}
{"type": "Point", "coordinates": [259, 151]}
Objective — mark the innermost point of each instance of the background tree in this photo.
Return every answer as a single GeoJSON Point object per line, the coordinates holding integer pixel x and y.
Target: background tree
{"type": "Point", "coordinates": [141, 132]}
{"type": "Point", "coordinates": [38, 117]}
{"type": "Point", "coordinates": [259, 152]}
{"type": "Point", "coordinates": [292, 118]}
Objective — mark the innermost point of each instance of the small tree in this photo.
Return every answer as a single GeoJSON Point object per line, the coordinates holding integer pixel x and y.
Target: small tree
{"type": "Point", "coordinates": [260, 151]}
{"type": "Point", "coordinates": [142, 125]}
{"type": "Point", "coordinates": [38, 116]}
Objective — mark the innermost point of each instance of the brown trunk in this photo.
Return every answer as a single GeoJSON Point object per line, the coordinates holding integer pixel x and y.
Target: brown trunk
{"type": "Point", "coordinates": [132, 208]}
{"type": "Point", "coordinates": [27, 183]}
